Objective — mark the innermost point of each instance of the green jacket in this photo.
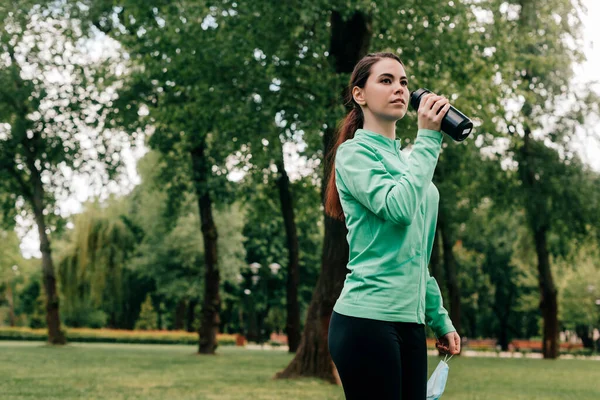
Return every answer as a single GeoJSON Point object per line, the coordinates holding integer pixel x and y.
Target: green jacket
{"type": "Point", "coordinates": [390, 205]}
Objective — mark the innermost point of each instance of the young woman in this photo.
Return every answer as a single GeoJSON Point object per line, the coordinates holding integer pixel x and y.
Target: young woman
{"type": "Point", "coordinates": [389, 205]}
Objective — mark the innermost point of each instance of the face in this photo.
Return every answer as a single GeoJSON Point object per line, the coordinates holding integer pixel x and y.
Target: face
{"type": "Point", "coordinates": [386, 93]}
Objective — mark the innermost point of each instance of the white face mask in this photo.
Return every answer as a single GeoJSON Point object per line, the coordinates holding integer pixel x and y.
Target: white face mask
{"type": "Point", "coordinates": [437, 381]}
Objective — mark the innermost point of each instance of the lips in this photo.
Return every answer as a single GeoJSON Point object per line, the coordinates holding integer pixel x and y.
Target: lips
{"type": "Point", "coordinates": [398, 101]}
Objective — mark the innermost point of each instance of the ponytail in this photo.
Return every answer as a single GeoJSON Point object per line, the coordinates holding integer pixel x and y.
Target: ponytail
{"type": "Point", "coordinates": [353, 121]}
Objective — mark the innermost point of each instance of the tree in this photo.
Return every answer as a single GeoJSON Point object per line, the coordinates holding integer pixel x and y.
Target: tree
{"type": "Point", "coordinates": [148, 317]}
{"type": "Point", "coordinates": [92, 264]}
{"type": "Point", "coordinates": [170, 255]}
{"type": "Point", "coordinates": [265, 243]}
{"type": "Point", "coordinates": [579, 292]}
{"type": "Point", "coordinates": [49, 94]}
{"type": "Point", "coordinates": [349, 42]}
{"type": "Point", "coordinates": [173, 81]}
{"type": "Point", "coordinates": [10, 272]}
{"type": "Point", "coordinates": [502, 309]}
{"type": "Point", "coordinates": [551, 183]}
{"type": "Point", "coordinates": [289, 112]}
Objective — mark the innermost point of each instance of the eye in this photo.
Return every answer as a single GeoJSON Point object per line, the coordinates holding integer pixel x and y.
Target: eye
{"type": "Point", "coordinates": [404, 83]}
{"type": "Point", "coordinates": [384, 80]}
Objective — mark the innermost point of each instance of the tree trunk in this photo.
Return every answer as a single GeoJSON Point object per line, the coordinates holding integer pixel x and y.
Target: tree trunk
{"type": "Point", "coordinates": [55, 335]}
{"type": "Point", "coordinates": [179, 316]}
{"type": "Point", "coordinates": [450, 270]}
{"type": "Point", "coordinates": [11, 305]}
{"type": "Point", "coordinates": [349, 43]}
{"type": "Point", "coordinates": [503, 335]}
{"type": "Point", "coordinates": [312, 357]}
{"type": "Point", "coordinates": [548, 301]}
{"type": "Point", "coordinates": [585, 334]}
{"type": "Point", "coordinates": [191, 315]}
{"type": "Point", "coordinates": [503, 331]}
{"type": "Point", "coordinates": [253, 335]}
{"type": "Point", "coordinates": [209, 325]}
{"type": "Point", "coordinates": [292, 328]}
{"type": "Point", "coordinates": [503, 301]}
{"type": "Point", "coordinates": [540, 225]}
{"type": "Point", "coordinates": [435, 265]}
{"type": "Point", "coordinates": [472, 322]}
{"type": "Point", "coordinates": [535, 207]}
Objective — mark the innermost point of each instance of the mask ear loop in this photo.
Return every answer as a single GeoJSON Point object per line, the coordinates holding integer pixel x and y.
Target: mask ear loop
{"type": "Point", "coordinates": [446, 359]}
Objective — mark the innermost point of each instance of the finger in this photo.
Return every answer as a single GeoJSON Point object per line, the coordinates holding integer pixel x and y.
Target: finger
{"type": "Point", "coordinates": [431, 101]}
{"type": "Point", "coordinates": [452, 344]}
{"type": "Point", "coordinates": [428, 103]}
{"type": "Point", "coordinates": [424, 100]}
{"type": "Point", "coordinates": [456, 342]}
{"type": "Point", "coordinates": [452, 349]}
{"type": "Point", "coordinates": [442, 347]}
{"type": "Point", "coordinates": [442, 112]}
{"type": "Point", "coordinates": [439, 105]}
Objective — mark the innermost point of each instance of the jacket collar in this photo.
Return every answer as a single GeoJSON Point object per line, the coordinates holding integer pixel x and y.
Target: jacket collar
{"type": "Point", "coordinates": [382, 142]}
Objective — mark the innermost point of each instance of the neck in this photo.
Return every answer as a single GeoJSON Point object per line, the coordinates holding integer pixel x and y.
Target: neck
{"type": "Point", "coordinates": [385, 128]}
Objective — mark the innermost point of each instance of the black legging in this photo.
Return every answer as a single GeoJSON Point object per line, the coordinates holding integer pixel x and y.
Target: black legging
{"type": "Point", "coordinates": [377, 359]}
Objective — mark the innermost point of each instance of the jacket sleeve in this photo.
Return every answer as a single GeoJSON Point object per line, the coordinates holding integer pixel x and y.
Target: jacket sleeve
{"type": "Point", "coordinates": [436, 315]}
{"type": "Point", "coordinates": [366, 179]}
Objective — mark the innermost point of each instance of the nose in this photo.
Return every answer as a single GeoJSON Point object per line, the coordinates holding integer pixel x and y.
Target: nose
{"type": "Point", "coordinates": [399, 89]}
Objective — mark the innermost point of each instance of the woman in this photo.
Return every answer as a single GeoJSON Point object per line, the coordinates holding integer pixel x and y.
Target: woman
{"type": "Point", "coordinates": [389, 204]}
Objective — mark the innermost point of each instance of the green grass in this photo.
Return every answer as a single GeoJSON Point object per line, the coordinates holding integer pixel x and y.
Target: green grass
{"type": "Point", "coordinates": [30, 370]}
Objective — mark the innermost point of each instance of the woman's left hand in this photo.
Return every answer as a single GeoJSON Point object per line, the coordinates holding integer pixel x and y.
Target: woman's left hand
{"type": "Point", "coordinates": [449, 343]}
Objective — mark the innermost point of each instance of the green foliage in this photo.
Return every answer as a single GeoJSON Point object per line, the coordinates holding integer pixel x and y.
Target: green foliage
{"type": "Point", "coordinates": [148, 317]}
{"type": "Point", "coordinates": [85, 315]}
{"type": "Point", "coordinates": [37, 317]}
{"type": "Point", "coordinates": [43, 116]}
{"type": "Point", "coordinates": [265, 240]}
{"type": "Point", "coordinates": [19, 284]}
{"type": "Point", "coordinates": [91, 264]}
{"type": "Point", "coordinates": [172, 87]}
{"type": "Point", "coordinates": [171, 253]}
{"type": "Point", "coordinates": [579, 289]}
{"type": "Point", "coordinates": [498, 275]}
{"type": "Point", "coordinates": [242, 86]}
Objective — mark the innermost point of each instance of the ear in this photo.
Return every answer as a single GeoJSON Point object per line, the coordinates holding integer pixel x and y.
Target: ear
{"type": "Point", "coordinates": [358, 95]}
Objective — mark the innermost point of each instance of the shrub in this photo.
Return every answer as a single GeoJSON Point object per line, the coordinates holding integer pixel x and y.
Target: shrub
{"type": "Point", "coordinates": [113, 336]}
{"type": "Point", "coordinates": [148, 317]}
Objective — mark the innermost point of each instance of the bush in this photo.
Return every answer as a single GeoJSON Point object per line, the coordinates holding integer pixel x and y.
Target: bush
{"type": "Point", "coordinates": [148, 317]}
{"type": "Point", "coordinates": [113, 336]}
{"type": "Point", "coordinates": [579, 352]}
{"type": "Point", "coordinates": [85, 316]}
{"type": "Point", "coordinates": [38, 317]}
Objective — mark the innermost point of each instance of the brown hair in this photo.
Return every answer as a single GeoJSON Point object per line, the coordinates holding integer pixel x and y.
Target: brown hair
{"type": "Point", "coordinates": [348, 126]}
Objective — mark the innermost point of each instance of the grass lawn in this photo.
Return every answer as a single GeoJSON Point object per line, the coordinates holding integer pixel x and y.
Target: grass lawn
{"type": "Point", "coordinates": [31, 370]}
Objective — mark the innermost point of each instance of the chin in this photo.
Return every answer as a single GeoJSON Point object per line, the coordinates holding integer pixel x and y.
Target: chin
{"type": "Point", "coordinates": [390, 115]}
{"type": "Point", "coordinates": [396, 116]}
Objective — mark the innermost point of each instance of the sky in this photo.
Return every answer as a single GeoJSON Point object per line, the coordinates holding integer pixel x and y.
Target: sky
{"type": "Point", "coordinates": [589, 71]}
{"type": "Point", "coordinates": [589, 148]}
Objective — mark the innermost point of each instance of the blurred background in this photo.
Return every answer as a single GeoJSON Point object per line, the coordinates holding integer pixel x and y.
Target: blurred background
{"type": "Point", "coordinates": [162, 165]}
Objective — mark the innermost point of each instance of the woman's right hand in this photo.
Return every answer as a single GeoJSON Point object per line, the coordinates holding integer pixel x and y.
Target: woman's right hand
{"type": "Point", "coordinates": [431, 111]}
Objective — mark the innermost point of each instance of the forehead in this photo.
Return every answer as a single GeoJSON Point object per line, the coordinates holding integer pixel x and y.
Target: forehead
{"type": "Point", "coordinates": [387, 66]}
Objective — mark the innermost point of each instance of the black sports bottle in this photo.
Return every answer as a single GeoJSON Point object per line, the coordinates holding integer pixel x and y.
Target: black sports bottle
{"type": "Point", "coordinates": [455, 124]}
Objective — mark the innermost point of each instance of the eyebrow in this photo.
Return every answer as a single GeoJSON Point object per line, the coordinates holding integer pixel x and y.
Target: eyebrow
{"type": "Point", "coordinates": [392, 76]}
